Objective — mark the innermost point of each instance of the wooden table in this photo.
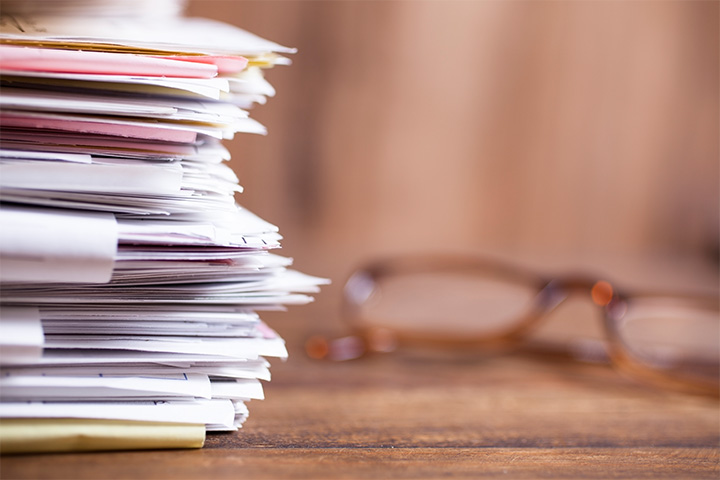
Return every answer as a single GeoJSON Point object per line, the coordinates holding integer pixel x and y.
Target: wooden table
{"type": "Point", "coordinates": [516, 416]}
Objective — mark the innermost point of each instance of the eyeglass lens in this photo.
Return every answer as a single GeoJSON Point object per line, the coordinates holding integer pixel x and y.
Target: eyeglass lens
{"type": "Point", "coordinates": [674, 335]}
{"type": "Point", "coordinates": [447, 304]}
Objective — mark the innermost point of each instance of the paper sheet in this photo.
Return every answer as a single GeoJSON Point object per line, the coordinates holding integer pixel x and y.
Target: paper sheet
{"type": "Point", "coordinates": [141, 85]}
{"type": "Point", "coordinates": [45, 156]}
{"type": "Point", "coordinates": [82, 249]}
{"type": "Point", "coordinates": [219, 412]}
{"type": "Point", "coordinates": [236, 348]}
{"type": "Point", "coordinates": [251, 370]}
{"type": "Point", "coordinates": [31, 59]}
{"type": "Point", "coordinates": [21, 334]}
{"type": "Point", "coordinates": [135, 178]}
{"type": "Point", "coordinates": [172, 35]}
{"type": "Point", "coordinates": [50, 385]}
{"type": "Point", "coordinates": [46, 435]}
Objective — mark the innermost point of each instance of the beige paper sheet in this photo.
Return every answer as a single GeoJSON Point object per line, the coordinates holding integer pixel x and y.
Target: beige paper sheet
{"type": "Point", "coordinates": [36, 435]}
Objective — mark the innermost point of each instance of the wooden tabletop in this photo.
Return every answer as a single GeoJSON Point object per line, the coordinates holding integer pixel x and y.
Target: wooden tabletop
{"type": "Point", "coordinates": [401, 416]}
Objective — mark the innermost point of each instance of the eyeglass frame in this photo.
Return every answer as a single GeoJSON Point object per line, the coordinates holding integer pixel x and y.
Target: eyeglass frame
{"type": "Point", "coordinates": [552, 291]}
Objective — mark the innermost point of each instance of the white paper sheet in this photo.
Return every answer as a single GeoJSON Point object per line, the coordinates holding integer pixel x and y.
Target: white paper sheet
{"type": "Point", "coordinates": [185, 35]}
{"type": "Point", "coordinates": [21, 335]}
{"type": "Point", "coordinates": [204, 88]}
{"type": "Point", "coordinates": [219, 413]}
{"type": "Point", "coordinates": [49, 385]}
{"type": "Point", "coordinates": [88, 104]}
{"type": "Point", "coordinates": [237, 389]}
{"type": "Point", "coordinates": [236, 348]}
{"type": "Point", "coordinates": [250, 369]}
{"type": "Point", "coordinates": [82, 158]}
{"type": "Point", "coordinates": [39, 245]}
{"type": "Point", "coordinates": [76, 177]}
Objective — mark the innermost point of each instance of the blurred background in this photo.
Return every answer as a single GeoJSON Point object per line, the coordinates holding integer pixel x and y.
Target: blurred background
{"type": "Point", "coordinates": [540, 130]}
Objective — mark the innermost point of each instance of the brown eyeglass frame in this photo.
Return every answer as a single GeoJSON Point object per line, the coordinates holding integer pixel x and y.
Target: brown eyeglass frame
{"type": "Point", "coordinates": [551, 293]}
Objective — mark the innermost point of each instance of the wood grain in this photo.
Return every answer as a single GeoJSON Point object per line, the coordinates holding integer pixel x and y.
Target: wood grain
{"type": "Point", "coordinates": [399, 417]}
{"type": "Point", "coordinates": [671, 463]}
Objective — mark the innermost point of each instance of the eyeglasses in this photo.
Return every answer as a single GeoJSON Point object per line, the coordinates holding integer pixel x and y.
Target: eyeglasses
{"type": "Point", "coordinates": [471, 303]}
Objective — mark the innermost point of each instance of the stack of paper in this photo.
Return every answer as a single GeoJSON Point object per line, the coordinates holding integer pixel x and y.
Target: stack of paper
{"type": "Point", "coordinates": [130, 277]}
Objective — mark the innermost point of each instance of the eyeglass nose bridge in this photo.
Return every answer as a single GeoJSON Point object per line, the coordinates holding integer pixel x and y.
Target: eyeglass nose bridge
{"type": "Point", "coordinates": [556, 290]}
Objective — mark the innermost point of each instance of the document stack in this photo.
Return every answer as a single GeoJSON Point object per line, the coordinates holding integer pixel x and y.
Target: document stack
{"type": "Point", "coordinates": [131, 279]}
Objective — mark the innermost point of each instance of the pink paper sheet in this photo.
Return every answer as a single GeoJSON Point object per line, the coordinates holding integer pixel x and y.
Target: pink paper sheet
{"type": "Point", "coordinates": [29, 59]}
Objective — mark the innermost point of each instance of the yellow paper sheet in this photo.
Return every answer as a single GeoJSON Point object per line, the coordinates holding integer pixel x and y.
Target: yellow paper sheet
{"type": "Point", "coordinates": [37, 435]}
